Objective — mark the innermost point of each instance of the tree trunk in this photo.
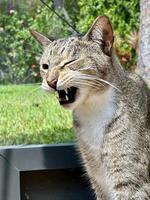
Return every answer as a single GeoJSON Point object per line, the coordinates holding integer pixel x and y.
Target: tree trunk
{"type": "Point", "coordinates": [144, 42]}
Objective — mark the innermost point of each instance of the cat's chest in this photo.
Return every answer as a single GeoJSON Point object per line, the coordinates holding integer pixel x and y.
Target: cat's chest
{"type": "Point", "coordinates": [93, 119]}
{"type": "Point", "coordinates": [92, 131]}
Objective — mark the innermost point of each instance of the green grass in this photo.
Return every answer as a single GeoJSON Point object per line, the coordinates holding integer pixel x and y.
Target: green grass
{"type": "Point", "coordinates": [30, 116]}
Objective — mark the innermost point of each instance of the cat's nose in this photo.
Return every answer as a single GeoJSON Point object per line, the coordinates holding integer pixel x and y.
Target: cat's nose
{"type": "Point", "coordinates": [52, 84]}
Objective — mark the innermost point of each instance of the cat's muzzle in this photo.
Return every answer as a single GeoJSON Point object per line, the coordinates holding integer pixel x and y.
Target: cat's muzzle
{"type": "Point", "coordinates": [67, 96]}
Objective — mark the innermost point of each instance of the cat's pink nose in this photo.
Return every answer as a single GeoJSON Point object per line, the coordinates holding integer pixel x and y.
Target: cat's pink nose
{"type": "Point", "coordinates": [52, 83]}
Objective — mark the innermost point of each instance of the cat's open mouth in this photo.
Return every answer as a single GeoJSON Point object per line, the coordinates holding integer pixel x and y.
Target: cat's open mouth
{"type": "Point", "coordinates": [67, 96]}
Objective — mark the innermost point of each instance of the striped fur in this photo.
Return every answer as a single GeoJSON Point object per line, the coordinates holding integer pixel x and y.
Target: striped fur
{"type": "Point", "coordinates": [111, 113]}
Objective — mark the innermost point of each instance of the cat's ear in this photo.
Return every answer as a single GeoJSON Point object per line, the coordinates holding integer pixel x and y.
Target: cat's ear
{"type": "Point", "coordinates": [40, 38]}
{"type": "Point", "coordinates": [101, 32]}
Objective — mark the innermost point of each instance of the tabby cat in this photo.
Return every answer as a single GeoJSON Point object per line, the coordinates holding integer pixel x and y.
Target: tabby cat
{"type": "Point", "coordinates": [111, 110]}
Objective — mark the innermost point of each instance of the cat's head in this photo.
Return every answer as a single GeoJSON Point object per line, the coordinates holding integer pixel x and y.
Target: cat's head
{"type": "Point", "coordinates": [78, 67]}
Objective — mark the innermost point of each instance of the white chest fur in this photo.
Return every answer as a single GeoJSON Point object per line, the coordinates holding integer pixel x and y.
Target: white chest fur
{"type": "Point", "coordinates": [94, 115]}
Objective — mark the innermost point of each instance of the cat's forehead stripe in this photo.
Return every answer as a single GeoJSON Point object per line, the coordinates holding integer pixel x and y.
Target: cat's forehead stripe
{"type": "Point", "coordinates": [62, 50]}
{"type": "Point", "coordinates": [60, 45]}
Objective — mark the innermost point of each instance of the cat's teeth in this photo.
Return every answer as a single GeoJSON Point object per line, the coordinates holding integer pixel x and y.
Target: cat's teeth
{"type": "Point", "coordinates": [66, 91]}
{"type": "Point", "coordinates": [67, 98]}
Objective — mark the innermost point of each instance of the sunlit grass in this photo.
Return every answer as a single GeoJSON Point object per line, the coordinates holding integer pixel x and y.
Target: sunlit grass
{"type": "Point", "coordinates": [30, 116]}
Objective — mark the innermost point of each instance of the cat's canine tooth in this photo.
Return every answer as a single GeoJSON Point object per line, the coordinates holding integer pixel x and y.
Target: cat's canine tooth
{"type": "Point", "coordinates": [67, 98]}
{"type": "Point", "coordinates": [66, 91]}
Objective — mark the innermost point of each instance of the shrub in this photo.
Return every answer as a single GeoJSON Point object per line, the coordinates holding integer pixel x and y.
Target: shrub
{"type": "Point", "coordinates": [16, 51]}
{"type": "Point", "coordinates": [19, 51]}
{"type": "Point", "coordinates": [125, 19]}
{"type": "Point", "coordinates": [124, 15]}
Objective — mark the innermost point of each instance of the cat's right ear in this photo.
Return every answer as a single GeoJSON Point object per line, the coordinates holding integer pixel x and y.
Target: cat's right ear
{"type": "Point", "coordinates": [40, 38]}
{"type": "Point", "coordinates": [101, 32]}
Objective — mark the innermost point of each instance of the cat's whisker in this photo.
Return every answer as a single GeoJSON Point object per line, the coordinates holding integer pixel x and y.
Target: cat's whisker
{"type": "Point", "coordinates": [110, 84]}
{"type": "Point", "coordinates": [90, 77]}
{"type": "Point", "coordinates": [39, 83]}
{"type": "Point", "coordinates": [77, 77]}
{"type": "Point", "coordinates": [66, 79]}
{"type": "Point", "coordinates": [25, 95]}
{"type": "Point", "coordinates": [101, 80]}
{"type": "Point", "coordinates": [65, 82]}
{"type": "Point", "coordinates": [92, 83]}
{"type": "Point", "coordinates": [81, 83]}
{"type": "Point", "coordinates": [34, 90]}
{"type": "Point", "coordinates": [45, 88]}
{"type": "Point", "coordinates": [90, 80]}
{"type": "Point", "coordinates": [93, 86]}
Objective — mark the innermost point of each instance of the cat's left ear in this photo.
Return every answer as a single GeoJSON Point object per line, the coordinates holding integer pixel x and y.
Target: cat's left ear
{"type": "Point", "coordinates": [102, 33]}
{"type": "Point", "coordinates": [40, 38]}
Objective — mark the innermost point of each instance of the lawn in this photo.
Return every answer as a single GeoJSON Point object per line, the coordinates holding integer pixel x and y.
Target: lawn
{"type": "Point", "coordinates": [31, 116]}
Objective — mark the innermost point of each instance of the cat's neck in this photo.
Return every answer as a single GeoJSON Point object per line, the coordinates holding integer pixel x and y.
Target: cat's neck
{"type": "Point", "coordinates": [117, 67]}
{"type": "Point", "coordinates": [119, 75]}
{"type": "Point", "coordinates": [93, 116]}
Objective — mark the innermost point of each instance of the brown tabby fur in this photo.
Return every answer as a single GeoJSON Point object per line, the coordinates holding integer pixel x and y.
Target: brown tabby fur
{"type": "Point", "coordinates": [111, 119]}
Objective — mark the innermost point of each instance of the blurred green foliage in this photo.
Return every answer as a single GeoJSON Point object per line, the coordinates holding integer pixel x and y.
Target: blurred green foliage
{"type": "Point", "coordinates": [124, 15]}
{"type": "Point", "coordinates": [17, 54]}
{"type": "Point", "coordinates": [20, 52]}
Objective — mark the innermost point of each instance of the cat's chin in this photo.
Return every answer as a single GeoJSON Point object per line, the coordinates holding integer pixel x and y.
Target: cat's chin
{"type": "Point", "coordinates": [69, 106]}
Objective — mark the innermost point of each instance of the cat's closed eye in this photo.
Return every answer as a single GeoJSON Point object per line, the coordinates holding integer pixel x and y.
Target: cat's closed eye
{"type": "Point", "coordinates": [70, 62]}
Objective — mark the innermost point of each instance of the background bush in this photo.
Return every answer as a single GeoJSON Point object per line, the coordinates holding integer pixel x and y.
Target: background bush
{"type": "Point", "coordinates": [20, 52]}
{"type": "Point", "coordinates": [123, 14]}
